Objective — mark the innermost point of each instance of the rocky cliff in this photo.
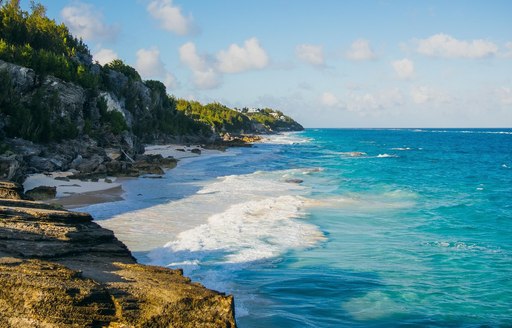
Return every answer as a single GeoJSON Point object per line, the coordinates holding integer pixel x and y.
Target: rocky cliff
{"type": "Point", "coordinates": [61, 269]}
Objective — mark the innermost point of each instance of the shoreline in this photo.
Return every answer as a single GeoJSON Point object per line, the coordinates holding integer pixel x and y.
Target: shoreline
{"type": "Point", "coordinates": [75, 193]}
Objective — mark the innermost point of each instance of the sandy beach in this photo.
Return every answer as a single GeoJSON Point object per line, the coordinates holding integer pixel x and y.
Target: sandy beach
{"type": "Point", "coordinates": [73, 193]}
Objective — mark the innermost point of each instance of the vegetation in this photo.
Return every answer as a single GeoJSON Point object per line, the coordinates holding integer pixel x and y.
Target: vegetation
{"type": "Point", "coordinates": [220, 117]}
{"type": "Point", "coordinates": [119, 66]}
{"type": "Point", "coordinates": [224, 119]}
{"type": "Point", "coordinates": [35, 120]}
{"type": "Point", "coordinates": [35, 41]}
{"type": "Point", "coordinates": [273, 119]}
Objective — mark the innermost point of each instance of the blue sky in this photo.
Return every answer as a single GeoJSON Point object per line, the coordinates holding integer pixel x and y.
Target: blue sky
{"type": "Point", "coordinates": [326, 63]}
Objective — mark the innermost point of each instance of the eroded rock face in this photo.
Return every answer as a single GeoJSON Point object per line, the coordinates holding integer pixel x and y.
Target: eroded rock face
{"type": "Point", "coordinates": [60, 269]}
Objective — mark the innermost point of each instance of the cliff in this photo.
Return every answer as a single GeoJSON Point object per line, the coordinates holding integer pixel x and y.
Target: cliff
{"type": "Point", "coordinates": [61, 269]}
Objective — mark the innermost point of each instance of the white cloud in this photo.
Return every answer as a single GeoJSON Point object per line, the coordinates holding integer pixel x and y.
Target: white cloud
{"type": "Point", "coordinates": [238, 59]}
{"type": "Point", "coordinates": [105, 56]}
{"type": "Point", "coordinates": [170, 17]}
{"type": "Point", "coordinates": [205, 76]}
{"type": "Point", "coordinates": [311, 54]}
{"type": "Point", "coordinates": [446, 46]}
{"type": "Point", "coordinates": [207, 70]}
{"type": "Point", "coordinates": [360, 50]}
{"type": "Point", "coordinates": [329, 100]}
{"type": "Point", "coordinates": [86, 22]}
{"type": "Point", "coordinates": [404, 68]}
{"type": "Point", "coordinates": [423, 94]}
{"type": "Point", "coordinates": [150, 66]}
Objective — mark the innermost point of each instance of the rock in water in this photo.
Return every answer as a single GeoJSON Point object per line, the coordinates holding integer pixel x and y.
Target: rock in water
{"type": "Point", "coordinates": [60, 269]}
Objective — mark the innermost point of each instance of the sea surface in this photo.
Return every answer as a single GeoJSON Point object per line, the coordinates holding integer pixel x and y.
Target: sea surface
{"type": "Point", "coordinates": [338, 227]}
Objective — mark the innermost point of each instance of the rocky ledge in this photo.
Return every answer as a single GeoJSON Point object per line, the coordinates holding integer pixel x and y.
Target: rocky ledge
{"type": "Point", "coordinates": [60, 269]}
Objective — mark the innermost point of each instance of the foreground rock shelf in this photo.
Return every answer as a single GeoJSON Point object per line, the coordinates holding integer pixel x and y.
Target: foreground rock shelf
{"type": "Point", "coordinates": [60, 269]}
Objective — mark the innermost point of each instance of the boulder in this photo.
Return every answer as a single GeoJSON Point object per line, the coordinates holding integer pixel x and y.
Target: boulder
{"type": "Point", "coordinates": [12, 168]}
{"type": "Point", "coordinates": [42, 193]}
{"type": "Point", "coordinates": [42, 164]}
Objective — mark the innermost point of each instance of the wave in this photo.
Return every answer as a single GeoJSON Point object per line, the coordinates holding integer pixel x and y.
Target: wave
{"type": "Point", "coordinates": [401, 148]}
{"type": "Point", "coordinates": [244, 233]}
{"type": "Point", "coordinates": [386, 155]}
{"type": "Point", "coordinates": [255, 218]}
{"type": "Point", "coordinates": [285, 138]}
{"type": "Point", "coordinates": [464, 131]}
{"type": "Point", "coordinates": [462, 246]}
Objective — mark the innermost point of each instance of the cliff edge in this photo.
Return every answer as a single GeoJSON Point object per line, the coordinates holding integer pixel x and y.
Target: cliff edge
{"type": "Point", "coordinates": [60, 269]}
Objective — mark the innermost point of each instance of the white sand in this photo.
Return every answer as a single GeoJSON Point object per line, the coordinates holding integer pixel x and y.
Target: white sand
{"type": "Point", "coordinates": [68, 188]}
{"type": "Point", "coordinates": [76, 192]}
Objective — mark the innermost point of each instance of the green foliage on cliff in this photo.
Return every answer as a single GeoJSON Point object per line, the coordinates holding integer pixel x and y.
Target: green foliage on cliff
{"type": "Point", "coordinates": [35, 120]}
{"type": "Point", "coordinates": [220, 117]}
{"type": "Point", "coordinates": [112, 120]}
{"type": "Point", "coordinates": [274, 120]}
{"type": "Point", "coordinates": [33, 40]}
{"type": "Point", "coordinates": [225, 119]}
{"type": "Point", "coordinates": [119, 66]}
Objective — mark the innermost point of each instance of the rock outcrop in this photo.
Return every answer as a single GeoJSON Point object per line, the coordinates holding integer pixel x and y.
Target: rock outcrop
{"type": "Point", "coordinates": [61, 269]}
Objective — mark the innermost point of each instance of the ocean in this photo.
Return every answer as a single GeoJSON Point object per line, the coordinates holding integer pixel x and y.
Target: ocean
{"type": "Point", "coordinates": [338, 227]}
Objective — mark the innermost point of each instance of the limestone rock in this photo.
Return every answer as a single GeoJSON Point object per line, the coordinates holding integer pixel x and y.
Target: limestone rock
{"type": "Point", "coordinates": [11, 190]}
{"type": "Point", "coordinates": [61, 269]}
{"type": "Point", "coordinates": [23, 79]}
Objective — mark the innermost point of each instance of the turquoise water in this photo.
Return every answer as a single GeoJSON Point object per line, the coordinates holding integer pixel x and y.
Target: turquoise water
{"type": "Point", "coordinates": [387, 228]}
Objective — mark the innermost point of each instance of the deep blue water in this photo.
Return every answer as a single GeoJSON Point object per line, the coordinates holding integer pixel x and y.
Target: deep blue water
{"type": "Point", "coordinates": [402, 227]}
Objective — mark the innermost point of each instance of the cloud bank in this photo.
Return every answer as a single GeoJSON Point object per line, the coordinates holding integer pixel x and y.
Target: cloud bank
{"type": "Point", "coordinates": [150, 66]}
{"type": "Point", "coordinates": [207, 70]}
{"type": "Point", "coordinates": [446, 46]}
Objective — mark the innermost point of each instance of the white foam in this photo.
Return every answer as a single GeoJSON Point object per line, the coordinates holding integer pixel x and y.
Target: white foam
{"type": "Point", "coordinates": [386, 155]}
{"type": "Point", "coordinates": [401, 148]}
{"type": "Point", "coordinates": [462, 246]}
{"type": "Point", "coordinates": [285, 138]}
{"type": "Point", "coordinates": [245, 232]}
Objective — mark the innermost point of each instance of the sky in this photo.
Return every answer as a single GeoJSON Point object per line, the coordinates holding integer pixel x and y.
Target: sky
{"type": "Point", "coordinates": [328, 63]}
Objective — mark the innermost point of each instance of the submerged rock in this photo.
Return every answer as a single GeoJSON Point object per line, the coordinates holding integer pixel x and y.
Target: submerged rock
{"type": "Point", "coordinates": [60, 269]}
